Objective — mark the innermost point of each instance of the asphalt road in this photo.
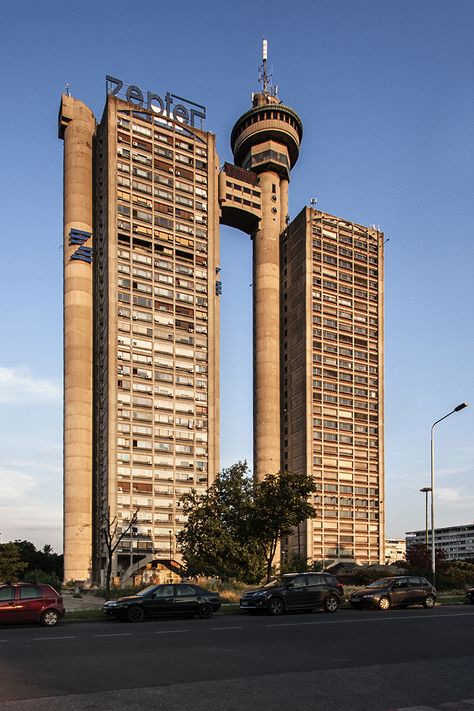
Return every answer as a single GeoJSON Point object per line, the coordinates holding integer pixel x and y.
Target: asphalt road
{"type": "Point", "coordinates": [352, 660]}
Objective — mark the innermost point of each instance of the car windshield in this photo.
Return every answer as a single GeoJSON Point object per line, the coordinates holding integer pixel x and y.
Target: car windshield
{"type": "Point", "coordinates": [273, 583]}
{"type": "Point", "coordinates": [146, 591]}
{"type": "Point", "coordinates": [381, 583]}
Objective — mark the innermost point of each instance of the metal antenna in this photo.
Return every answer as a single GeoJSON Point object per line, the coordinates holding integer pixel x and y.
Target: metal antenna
{"type": "Point", "coordinates": [265, 79]}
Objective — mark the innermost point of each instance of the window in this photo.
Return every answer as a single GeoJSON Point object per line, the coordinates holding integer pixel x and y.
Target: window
{"type": "Point", "coordinates": [7, 593]}
{"type": "Point", "coordinates": [317, 580]}
{"type": "Point", "coordinates": [29, 592]}
{"type": "Point", "coordinates": [164, 591]}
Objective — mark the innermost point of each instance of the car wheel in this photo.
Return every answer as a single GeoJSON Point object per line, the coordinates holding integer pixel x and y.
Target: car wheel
{"type": "Point", "coordinates": [49, 618]}
{"type": "Point", "coordinates": [276, 606]}
{"type": "Point", "coordinates": [384, 603]}
{"type": "Point", "coordinates": [429, 602]}
{"type": "Point", "coordinates": [331, 604]}
{"type": "Point", "coordinates": [135, 614]}
{"type": "Point", "coordinates": [204, 611]}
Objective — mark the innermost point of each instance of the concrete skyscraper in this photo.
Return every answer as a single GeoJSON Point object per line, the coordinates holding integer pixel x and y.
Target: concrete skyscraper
{"type": "Point", "coordinates": [143, 199]}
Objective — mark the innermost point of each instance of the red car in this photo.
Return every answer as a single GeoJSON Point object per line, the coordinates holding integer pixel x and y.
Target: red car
{"type": "Point", "coordinates": [28, 602]}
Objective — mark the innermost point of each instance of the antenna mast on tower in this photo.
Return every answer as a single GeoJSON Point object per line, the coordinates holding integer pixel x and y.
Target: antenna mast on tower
{"type": "Point", "coordinates": [265, 79]}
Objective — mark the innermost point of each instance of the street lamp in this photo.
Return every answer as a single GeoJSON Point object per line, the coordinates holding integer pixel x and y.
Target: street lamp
{"type": "Point", "coordinates": [433, 563]}
{"type": "Point", "coordinates": [425, 490]}
{"type": "Point", "coordinates": [171, 555]}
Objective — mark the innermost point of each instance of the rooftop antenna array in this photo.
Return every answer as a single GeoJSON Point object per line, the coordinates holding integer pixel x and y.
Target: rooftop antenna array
{"type": "Point", "coordinates": [265, 79]}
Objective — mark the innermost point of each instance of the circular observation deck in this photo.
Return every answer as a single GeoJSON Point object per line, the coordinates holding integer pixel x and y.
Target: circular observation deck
{"type": "Point", "coordinates": [267, 121]}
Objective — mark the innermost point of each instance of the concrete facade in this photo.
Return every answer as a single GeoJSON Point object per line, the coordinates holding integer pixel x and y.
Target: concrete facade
{"type": "Point", "coordinates": [148, 368]}
{"type": "Point", "coordinates": [332, 383]}
{"type": "Point", "coordinates": [266, 140]}
{"type": "Point", "coordinates": [77, 129]}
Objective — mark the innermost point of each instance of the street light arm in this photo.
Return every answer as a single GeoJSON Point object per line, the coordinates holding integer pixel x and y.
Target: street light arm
{"type": "Point", "coordinates": [442, 418]}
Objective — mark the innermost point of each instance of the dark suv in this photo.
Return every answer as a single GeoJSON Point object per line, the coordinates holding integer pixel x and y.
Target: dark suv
{"type": "Point", "coordinates": [295, 591]}
{"type": "Point", "coordinates": [28, 602]}
{"type": "Point", "coordinates": [399, 591]}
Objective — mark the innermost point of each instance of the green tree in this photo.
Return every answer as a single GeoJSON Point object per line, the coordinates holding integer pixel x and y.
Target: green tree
{"type": "Point", "coordinates": [45, 559]}
{"type": "Point", "coordinates": [294, 563]}
{"type": "Point", "coordinates": [11, 565]}
{"type": "Point", "coordinates": [418, 559]}
{"type": "Point", "coordinates": [280, 504]}
{"type": "Point", "coordinates": [217, 539]}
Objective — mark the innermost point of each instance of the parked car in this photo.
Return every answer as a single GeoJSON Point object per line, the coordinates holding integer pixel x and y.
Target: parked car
{"type": "Point", "coordinates": [167, 599]}
{"type": "Point", "coordinates": [27, 602]}
{"type": "Point", "coordinates": [470, 595]}
{"type": "Point", "coordinates": [295, 591]}
{"type": "Point", "coordinates": [399, 591]}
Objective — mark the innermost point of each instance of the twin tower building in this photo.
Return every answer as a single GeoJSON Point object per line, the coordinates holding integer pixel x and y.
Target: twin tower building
{"type": "Point", "coordinates": [144, 195]}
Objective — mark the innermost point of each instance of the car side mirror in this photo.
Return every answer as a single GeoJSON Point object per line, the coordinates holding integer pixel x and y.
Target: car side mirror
{"type": "Point", "coordinates": [290, 585]}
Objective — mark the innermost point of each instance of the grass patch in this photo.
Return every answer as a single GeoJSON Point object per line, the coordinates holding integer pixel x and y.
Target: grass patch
{"type": "Point", "coordinates": [84, 615]}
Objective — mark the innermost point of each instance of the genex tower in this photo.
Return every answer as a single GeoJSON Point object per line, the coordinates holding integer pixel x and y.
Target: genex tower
{"type": "Point", "coordinates": [144, 196]}
{"type": "Point", "coordinates": [265, 142]}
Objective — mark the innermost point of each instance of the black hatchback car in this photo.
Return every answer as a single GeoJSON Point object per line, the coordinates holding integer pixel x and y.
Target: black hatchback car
{"type": "Point", "coordinates": [295, 591]}
{"type": "Point", "coordinates": [167, 599]}
{"type": "Point", "coordinates": [399, 591]}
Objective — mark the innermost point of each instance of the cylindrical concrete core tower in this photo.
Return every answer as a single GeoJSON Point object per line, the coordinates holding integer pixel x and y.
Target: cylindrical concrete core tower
{"type": "Point", "coordinates": [77, 127]}
{"type": "Point", "coordinates": [266, 140]}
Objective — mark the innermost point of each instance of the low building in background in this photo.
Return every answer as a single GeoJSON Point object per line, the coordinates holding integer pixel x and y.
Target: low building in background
{"type": "Point", "coordinates": [457, 542]}
{"type": "Point", "coordinates": [395, 549]}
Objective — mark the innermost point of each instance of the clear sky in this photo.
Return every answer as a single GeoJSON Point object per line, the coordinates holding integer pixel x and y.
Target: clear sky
{"type": "Point", "coordinates": [385, 92]}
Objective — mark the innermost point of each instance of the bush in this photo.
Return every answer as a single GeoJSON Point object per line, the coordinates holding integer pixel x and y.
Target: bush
{"type": "Point", "coordinates": [39, 576]}
{"type": "Point", "coordinates": [458, 574]}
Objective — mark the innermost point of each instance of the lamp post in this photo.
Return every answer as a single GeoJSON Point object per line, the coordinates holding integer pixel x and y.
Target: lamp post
{"type": "Point", "coordinates": [171, 555]}
{"type": "Point", "coordinates": [426, 490]}
{"type": "Point", "coordinates": [433, 563]}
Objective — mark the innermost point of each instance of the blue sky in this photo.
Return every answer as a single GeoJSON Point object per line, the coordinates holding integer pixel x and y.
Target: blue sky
{"type": "Point", "coordinates": [384, 90]}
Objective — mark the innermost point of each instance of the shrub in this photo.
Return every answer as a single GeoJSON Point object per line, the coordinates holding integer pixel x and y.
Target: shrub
{"type": "Point", "coordinates": [39, 576]}
{"type": "Point", "coordinates": [457, 575]}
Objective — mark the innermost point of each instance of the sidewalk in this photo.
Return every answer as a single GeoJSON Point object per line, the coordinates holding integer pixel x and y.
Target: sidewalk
{"type": "Point", "coordinates": [87, 601]}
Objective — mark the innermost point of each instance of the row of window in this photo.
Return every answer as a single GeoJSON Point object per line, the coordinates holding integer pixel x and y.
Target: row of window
{"type": "Point", "coordinates": [179, 190]}
{"type": "Point", "coordinates": [160, 137]}
{"type": "Point", "coordinates": [350, 236]}
{"type": "Point", "coordinates": [160, 264]}
{"type": "Point", "coordinates": [329, 248]}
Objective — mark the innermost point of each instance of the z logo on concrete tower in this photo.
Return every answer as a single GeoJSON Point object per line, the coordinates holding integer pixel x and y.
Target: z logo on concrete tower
{"type": "Point", "coordinates": [79, 237]}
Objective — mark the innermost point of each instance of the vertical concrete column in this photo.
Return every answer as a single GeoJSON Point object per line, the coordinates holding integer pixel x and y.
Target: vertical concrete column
{"type": "Point", "coordinates": [266, 305]}
{"type": "Point", "coordinates": [284, 203]}
{"type": "Point", "coordinates": [77, 127]}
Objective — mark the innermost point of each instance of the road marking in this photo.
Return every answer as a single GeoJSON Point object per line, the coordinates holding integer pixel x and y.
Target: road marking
{"type": "Point", "coordinates": [372, 619]}
{"type": "Point", "coordinates": [452, 706]}
{"type": "Point", "coordinates": [118, 634]}
{"type": "Point", "coordinates": [170, 631]}
{"type": "Point", "coordinates": [43, 639]}
{"type": "Point", "coordinates": [226, 628]}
